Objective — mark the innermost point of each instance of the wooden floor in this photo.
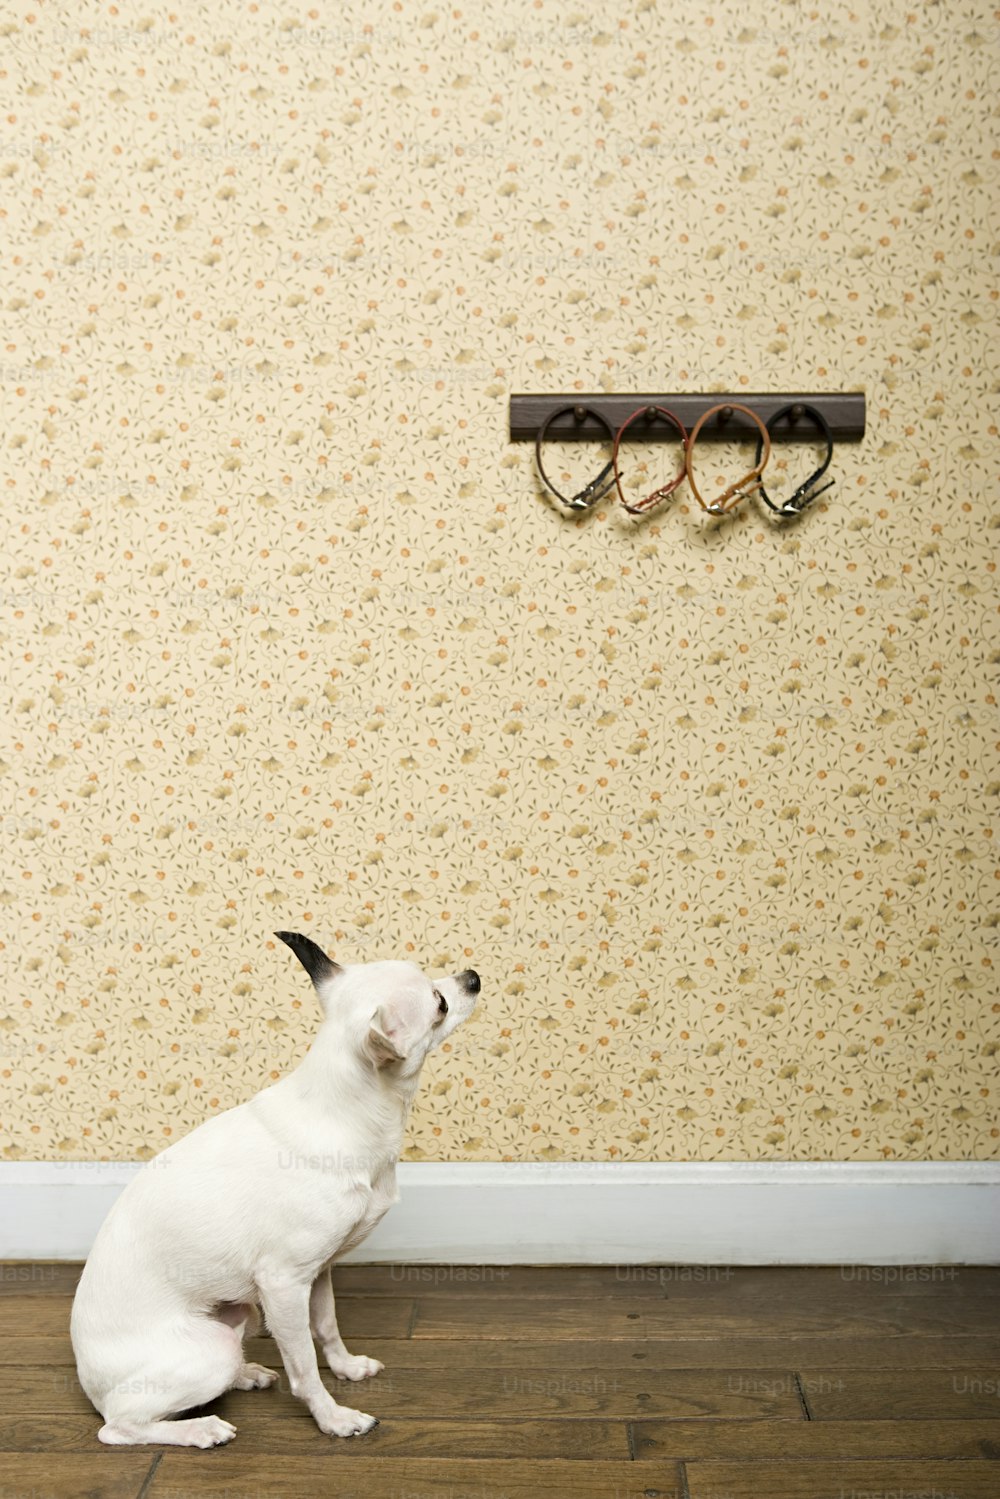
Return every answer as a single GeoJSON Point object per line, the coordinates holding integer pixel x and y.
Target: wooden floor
{"type": "Point", "coordinates": [618, 1383]}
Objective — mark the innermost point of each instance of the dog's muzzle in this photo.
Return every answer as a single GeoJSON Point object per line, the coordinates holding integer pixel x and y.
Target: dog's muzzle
{"type": "Point", "coordinates": [470, 981]}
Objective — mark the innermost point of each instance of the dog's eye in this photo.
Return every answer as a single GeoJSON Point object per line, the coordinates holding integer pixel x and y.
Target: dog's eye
{"type": "Point", "coordinates": [442, 1003]}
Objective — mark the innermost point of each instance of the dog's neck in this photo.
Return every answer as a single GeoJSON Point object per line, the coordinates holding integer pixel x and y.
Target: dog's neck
{"type": "Point", "coordinates": [335, 1066]}
{"type": "Point", "coordinates": [333, 1085]}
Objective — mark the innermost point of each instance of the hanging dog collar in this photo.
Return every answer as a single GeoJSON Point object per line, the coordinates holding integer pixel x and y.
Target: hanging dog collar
{"type": "Point", "coordinates": [731, 497]}
{"type": "Point", "coordinates": [805, 494]}
{"type": "Point", "coordinates": [649, 414]}
{"type": "Point", "coordinates": [588, 497]}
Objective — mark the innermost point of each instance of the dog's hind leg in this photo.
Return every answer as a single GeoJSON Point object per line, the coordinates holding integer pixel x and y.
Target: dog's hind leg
{"type": "Point", "coordinates": [198, 1431]}
{"type": "Point", "coordinates": [244, 1317]}
{"type": "Point", "coordinates": [255, 1377]}
{"type": "Point", "coordinates": [176, 1368]}
{"type": "Point", "coordinates": [323, 1321]}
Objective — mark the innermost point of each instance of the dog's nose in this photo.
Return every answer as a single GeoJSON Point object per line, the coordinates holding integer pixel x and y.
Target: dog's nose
{"type": "Point", "coordinates": [470, 978]}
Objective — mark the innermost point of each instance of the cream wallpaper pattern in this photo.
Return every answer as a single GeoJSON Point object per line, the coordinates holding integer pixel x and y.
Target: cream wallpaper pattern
{"type": "Point", "coordinates": [293, 638]}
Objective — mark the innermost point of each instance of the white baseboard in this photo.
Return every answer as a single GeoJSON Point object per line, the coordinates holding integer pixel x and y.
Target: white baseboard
{"type": "Point", "coordinates": [599, 1213]}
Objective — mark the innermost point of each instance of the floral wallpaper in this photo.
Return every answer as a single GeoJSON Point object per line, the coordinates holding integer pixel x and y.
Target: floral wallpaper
{"type": "Point", "coordinates": [293, 637]}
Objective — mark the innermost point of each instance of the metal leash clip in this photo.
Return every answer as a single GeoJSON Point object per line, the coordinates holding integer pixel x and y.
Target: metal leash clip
{"type": "Point", "coordinates": [595, 490]}
{"type": "Point", "coordinates": [804, 496]}
{"type": "Point", "coordinates": [735, 495]}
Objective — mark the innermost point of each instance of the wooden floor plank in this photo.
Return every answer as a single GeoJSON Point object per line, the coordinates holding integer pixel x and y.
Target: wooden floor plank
{"type": "Point", "coordinates": [296, 1432]}
{"type": "Point", "coordinates": [963, 1351]}
{"type": "Point", "coordinates": [445, 1437]}
{"type": "Point", "coordinates": [200, 1475]}
{"type": "Point", "coordinates": [903, 1394]}
{"type": "Point", "coordinates": [818, 1439]}
{"type": "Point", "coordinates": [553, 1390]}
{"type": "Point", "coordinates": [613, 1318]}
{"type": "Point", "coordinates": [897, 1479]}
{"type": "Point", "coordinates": [550, 1389]}
{"type": "Point", "coordinates": [105, 1474]}
{"type": "Point", "coordinates": [561, 1439]}
{"type": "Point", "coordinates": [46, 1389]}
{"type": "Point", "coordinates": [48, 1316]}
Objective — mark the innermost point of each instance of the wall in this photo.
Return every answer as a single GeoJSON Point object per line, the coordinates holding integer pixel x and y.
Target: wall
{"type": "Point", "coordinates": [294, 639]}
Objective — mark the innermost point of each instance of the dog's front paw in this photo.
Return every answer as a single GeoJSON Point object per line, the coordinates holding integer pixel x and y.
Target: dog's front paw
{"type": "Point", "coordinates": [354, 1366]}
{"type": "Point", "coordinates": [345, 1422]}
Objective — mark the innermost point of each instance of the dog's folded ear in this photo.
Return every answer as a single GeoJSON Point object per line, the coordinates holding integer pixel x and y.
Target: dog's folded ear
{"type": "Point", "coordinates": [314, 960]}
{"type": "Point", "coordinates": [384, 1039]}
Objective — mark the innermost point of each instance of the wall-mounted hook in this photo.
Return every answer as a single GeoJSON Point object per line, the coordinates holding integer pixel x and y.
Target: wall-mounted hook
{"type": "Point", "coordinates": [589, 418]}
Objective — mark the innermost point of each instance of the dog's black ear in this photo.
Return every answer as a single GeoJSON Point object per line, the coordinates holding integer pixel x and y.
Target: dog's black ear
{"type": "Point", "coordinates": [314, 960]}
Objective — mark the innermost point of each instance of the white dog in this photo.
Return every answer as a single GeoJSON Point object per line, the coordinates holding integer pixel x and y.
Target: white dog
{"type": "Point", "coordinates": [253, 1207]}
